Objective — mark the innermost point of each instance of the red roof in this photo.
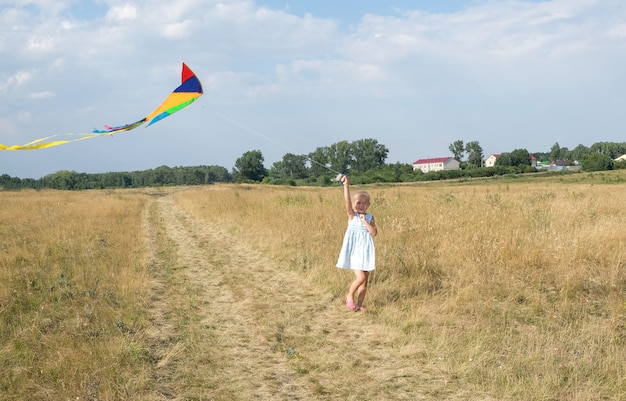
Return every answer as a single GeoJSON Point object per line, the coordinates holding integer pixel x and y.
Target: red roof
{"type": "Point", "coordinates": [434, 160]}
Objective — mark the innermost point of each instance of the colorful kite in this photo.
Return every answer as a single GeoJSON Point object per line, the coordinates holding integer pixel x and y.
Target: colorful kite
{"type": "Point", "coordinates": [189, 90]}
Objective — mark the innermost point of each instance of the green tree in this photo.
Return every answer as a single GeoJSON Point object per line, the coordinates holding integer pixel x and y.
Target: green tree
{"type": "Point", "coordinates": [555, 152]}
{"type": "Point", "coordinates": [277, 170]}
{"type": "Point", "coordinates": [368, 154]}
{"type": "Point", "coordinates": [340, 156]}
{"type": "Point", "coordinates": [597, 162]}
{"type": "Point", "coordinates": [63, 179]}
{"type": "Point", "coordinates": [458, 149]}
{"type": "Point", "coordinates": [250, 166]}
{"type": "Point", "coordinates": [8, 182]}
{"type": "Point", "coordinates": [292, 167]}
{"type": "Point", "coordinates": [611, 149]}
{"type": "Point", "coordinates": [295, 166]}
{"type": "Point", "coordinates": [565, 154]}
{"type": "Point", "coordinates": [474, 154]}
{"type": "Point", "coordinates": [318, 160]}
{"type": "Point", "coordinates": [579, 152]}
{"type": "Point", "coordinates": [217, 174]}
{"type": "Point", "coordinates": [163, 175]}
{"type": "Point", "coordinates": [516, 158]}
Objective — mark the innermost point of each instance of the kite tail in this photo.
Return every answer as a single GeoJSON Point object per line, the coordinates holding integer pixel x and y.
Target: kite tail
{"type": "Point", "coordinates": [186, 93]}
{"type": "Point", "coordinates": [45, 142]}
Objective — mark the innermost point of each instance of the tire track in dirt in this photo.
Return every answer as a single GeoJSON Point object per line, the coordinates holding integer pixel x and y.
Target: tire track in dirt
{"type": "Point", "coordinates": [231, 324]}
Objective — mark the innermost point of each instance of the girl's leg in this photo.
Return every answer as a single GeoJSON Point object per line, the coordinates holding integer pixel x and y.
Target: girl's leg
{"type": "Point", "coordinates": [362, 290]}
{"type": "Point", "coordinates": [359, 280]}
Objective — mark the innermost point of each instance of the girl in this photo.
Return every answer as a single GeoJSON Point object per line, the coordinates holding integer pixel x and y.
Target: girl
{"type": "Point", "coordinates": [357, 250]}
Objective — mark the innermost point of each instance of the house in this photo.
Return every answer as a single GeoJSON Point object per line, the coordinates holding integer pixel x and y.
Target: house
{"type": "Point", "coordinates": [543, 164]}
{"type": "Point", "coordinates": [620, 159]}
{"type": "Point", "coordinates": [491, 160]}
{"type": "Point", "coordinates": [436, 164]}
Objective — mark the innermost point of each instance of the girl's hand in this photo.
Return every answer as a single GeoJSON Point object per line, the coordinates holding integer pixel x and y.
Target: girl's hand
{"type": "Point", "coordinates": [371, 226]}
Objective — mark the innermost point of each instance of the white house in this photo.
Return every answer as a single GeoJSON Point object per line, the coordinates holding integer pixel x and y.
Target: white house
{"type": "Point", "coordinates": [620, 159]}
{"type": "Point", "coordinates": [491, 160]}
{"type": "Point", "coordinates": [436, 164]}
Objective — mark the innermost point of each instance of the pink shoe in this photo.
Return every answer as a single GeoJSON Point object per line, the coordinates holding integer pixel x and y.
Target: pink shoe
{"type": "Point", "coordinates": [360, 309]}
{"type": "Point", "coordinates": [350, 305]}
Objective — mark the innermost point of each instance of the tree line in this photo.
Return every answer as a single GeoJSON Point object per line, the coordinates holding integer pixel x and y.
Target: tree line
{"type": "Point", "coordinates": [160, 176]}
{"type": "Point", "coordinates": [356, 158]}
{"type": "Point", "coordinates": [599, 156]}
{"type": "Point", "coordinates": [364, 160]}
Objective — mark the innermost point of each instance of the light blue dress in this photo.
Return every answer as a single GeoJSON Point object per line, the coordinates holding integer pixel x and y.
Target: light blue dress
{"type": "Point", "coordinates": [357, 250]}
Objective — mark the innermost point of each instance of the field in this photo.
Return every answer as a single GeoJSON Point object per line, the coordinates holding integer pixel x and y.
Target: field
{"type": "Point", "coordinates": [498, 289]}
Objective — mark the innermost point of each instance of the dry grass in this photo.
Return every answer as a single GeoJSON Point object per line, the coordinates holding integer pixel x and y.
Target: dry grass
{"type": "Point", "coordinates": [496, 289]}
{"type": "Point", "coordinates": [73, 288]}
{"type": "Point", "coordinates": [516, 289]}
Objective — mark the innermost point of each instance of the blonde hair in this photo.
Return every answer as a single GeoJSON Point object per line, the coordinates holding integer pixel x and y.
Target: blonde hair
{"type": "Point", "coordinates": [361, 194]}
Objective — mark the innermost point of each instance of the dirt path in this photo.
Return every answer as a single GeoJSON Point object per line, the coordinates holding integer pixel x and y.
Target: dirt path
{"type": "Point", "coordinates": [229, 324]}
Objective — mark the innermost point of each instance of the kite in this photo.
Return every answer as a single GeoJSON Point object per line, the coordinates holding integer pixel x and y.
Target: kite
{"type": "Point", "coordinates": [189, 90]}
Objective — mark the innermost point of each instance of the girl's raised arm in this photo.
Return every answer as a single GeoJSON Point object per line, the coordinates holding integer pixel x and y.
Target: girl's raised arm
{"type": "Point", "coordinates": [346, 196]}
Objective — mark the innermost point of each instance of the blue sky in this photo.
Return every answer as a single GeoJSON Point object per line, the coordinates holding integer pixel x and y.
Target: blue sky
{"type": "Point", "coordinates": [350, 12]}
{"type": "Point", "coordinates": [291, 76]}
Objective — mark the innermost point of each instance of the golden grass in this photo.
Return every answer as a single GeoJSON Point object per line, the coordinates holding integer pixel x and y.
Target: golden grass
{"type": "Point", "coordinates": [72, 276]}
{"type": "Point", "coordinates": [516, 289]}
{"type": "Point", "coordinates": [494, 289]}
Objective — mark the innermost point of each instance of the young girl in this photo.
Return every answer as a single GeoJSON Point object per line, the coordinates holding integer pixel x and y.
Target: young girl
{"type": "Point", "coordinates": [357, 250]}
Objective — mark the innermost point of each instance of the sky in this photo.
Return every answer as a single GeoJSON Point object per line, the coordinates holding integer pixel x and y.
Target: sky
{"type": "Point", "coordinates": [291, 76]}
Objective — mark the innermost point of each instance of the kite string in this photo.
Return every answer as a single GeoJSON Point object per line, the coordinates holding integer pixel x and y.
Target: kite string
{"type": "Point", "coordinates": [230, 120]}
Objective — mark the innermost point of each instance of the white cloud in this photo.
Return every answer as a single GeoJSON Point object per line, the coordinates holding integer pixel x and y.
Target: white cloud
{"type": "Point", "coordinates": [472, 72]}
{"type": "Point", "coordinates": [40, 44]}
{"type": "Point", "coordinates": [124, 12]}
{"type": "Point", "coordinates": [19, 78]}
{"type": "Point", "coordinates": [41, 95]}
{"type": "Point", "coordinates": [178, 30]}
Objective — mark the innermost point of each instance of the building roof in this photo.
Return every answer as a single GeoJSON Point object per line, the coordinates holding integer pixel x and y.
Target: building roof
{"type": "Point", "coordinates": [433, 160]}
